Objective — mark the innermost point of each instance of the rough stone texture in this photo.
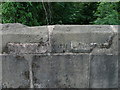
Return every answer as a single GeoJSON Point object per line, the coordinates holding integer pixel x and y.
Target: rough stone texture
{"type": "Point", "coordinates": [119, 56]}
{"type": "Point", "coordinates": [0, 38]}
{"type": "Point", "coordinates": [119, 38]}
{"type": "Point", "coordinates": [12, 26]}
{"type": "Point", "coordinates": [15, 33]}
{"type": "Point", "coordinates": [15, 72]}
{"type": "Point", "coordinates": [119, 59]}
{"type": "Point", "coordinates": [0, 57]}
{"type": "Point", "coordinates": [119, 71]}
{"type": "Point", "coordinates": [60, 39]}
{"type": "Point", "coordinates": [82, 39]}
{"type": "Point", "coordinates": [61, 71]}
{"type": "Point", "coordinates": [0, 73]}
{"type": "Point", "coordinates": [104, 71]}
{"type": "Point", "coordinates": [25, 48]}
{"type": "Point", "coordinates": [59, 56]}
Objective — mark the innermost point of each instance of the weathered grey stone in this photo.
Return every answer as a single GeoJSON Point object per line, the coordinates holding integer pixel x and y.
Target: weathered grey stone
{"type": "Point", "coordinates": [63, 38]}
{"type": "Point", "coordinates": [119, 71]}
{"type": "Point", "coordinates": [15, 33]}
{"type": "Point", "coordinates": [109, 48]}
{"type": "Point", "coordinates": [61, 71]}
{"type": "Point", "coordinates": [12, 26]}
{"type": "Point", "coordinates": [0, 57]}
{"type": "Point", "coordinates": [0, 38]}
{"type": "Point", "coordinates": [119, 56]}
{"type": "Point", "coordinates": [0, 73]}
{"type": "Point", "coordinates": [81, 38]}
{"type": "Point", "coordinates": [104, 71]}
{"type": "Point", "coordinates": [64, 66]}
{"type": "Point", "coordinates": [119, 39]}
{"type": "Point", "coordinates": [15, 72]}
{"type": "Point", "coordinates": [27, 48]}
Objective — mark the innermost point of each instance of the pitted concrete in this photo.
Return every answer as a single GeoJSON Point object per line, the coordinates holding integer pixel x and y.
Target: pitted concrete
{"type": "Point", "coordinates": [60, 39]}
{"type": "Point", "coordinates": [15, 33]}
{"type": "Point", "coordinates": [104, 71]}
{"type": "Point", "coordinates": [61, 71]}
{"type": "Point", "coordinates": [60, 56]}
{"type": "Point", "coordinates": [15, 72]}
{"type": "Point", "coordinates": [82, 39]}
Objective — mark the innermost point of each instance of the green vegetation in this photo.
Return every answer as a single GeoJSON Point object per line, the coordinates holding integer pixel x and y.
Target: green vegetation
{"type": "Point", "coordinates": [107, 13]}
{"type": "Point", "coordinates": [38, 13]}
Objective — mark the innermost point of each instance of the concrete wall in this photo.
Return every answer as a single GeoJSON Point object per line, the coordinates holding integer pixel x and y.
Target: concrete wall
{"type": "Point", "coordinates": [59, 56]}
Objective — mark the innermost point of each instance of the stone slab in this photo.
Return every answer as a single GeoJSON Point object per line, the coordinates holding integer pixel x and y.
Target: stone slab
{"type": "Point", "coordinates": [15, 33]}
{"type": "Point", "coordinates": [119, 71]}
{"type": "Point", "coordinates": [119, 56]}
{"type": "Point", "coordinates": [104, 71]}
{"type": "Point", "coordinates": [82, 38]}
{"type": "Point", "coordinates": [15, 72]}
{"type": "Point", "coordinates": [119, 39]}
{"type": "Point", "coordinates": [27, 48]}
{"type": "Point", "coordinates": [94, 39]}
{"type": "Point", "coordinates": [61, 71]}
{"type": "Point", "coordinates": [0, 38]}
{"type": "Point", "coordinates": [0, 73]}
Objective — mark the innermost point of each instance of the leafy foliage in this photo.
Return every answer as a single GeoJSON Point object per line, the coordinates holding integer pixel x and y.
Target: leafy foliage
{"type": "Point", "coordinates": [107, 13]}
{"type": "Point", "coordinates": [25, 12]}
{"type": "Point", "coordinates": [38, 13]}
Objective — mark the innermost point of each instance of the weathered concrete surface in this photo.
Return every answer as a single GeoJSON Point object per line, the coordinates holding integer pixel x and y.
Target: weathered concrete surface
{"type": "Point", "coordinates": [0, 38]}
{"type": "Point", "coordinates": [94, 39]}
{"type": "Point", "coordinates": [15, 73]}
{"type": "Point", "coordinates": [25, 48]}
{"type": "Point", "coordinates": [119, 56]}
{"type": "Point", "coordinates": [104, 71]}
{"type": "Point", "coordinates": [60, 56]}
{"type": "Point", "coordinates": [83, 38]}
{"type": "Point", "coordinates": [61, 71]}
{"type": "Point", "coordinates": [119, 71]}
{"type": "Point", "coordinates": [0, 57]}
{"type": "Point", "coordinates": [17, 33]}
{"type": "Point", "coordinates": [0, 73]}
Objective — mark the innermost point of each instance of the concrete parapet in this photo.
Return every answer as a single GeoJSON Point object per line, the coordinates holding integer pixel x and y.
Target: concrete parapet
{"type": "Point", "coordinates": [59, 56]}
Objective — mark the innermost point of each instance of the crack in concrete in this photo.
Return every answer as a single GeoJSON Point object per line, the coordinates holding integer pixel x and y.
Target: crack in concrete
{"type": "Point", "coordinates": [29, 59]}
{"type": "Point", "coordinates": [50, 30]}
{"type": "Point", "coordinates": [89, 67]}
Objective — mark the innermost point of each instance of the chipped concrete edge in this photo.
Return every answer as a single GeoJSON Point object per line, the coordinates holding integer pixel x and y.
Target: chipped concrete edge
{"type": "Point", "coordinates": [92, 46]}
